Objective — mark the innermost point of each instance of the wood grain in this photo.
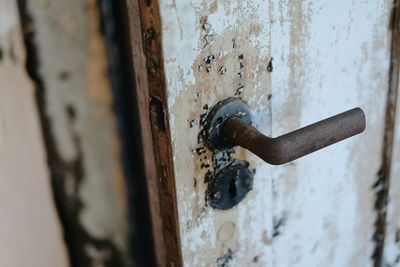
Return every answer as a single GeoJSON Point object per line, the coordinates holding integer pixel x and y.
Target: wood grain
{"type": "Point", "coordinates": [145, 34]}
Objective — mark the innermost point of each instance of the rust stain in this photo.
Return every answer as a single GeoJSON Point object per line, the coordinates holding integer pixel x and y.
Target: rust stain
{"type": "Point", "coordinates": [99, 88]}
{"type": "Point", "coordinates": [44, 2]}
{"type": "Point", "coordinates": [290, 117]}
{"type": "Point", "coordinates": [68, 23]}
{"type": "Point", "coordinates": [297, 61]}
{"type": "Point", "coordinates": [118, 175]}
{"type": "Point", "coordinates": [99, 92]}
{"type": "Point", "coordinates": [211, 86]}
{"type": "Point", "coordinates": [214, 7]}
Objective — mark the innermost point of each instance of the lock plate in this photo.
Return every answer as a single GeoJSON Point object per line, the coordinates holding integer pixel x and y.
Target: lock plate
{"type": "Point", "coordinates": [230, 185]}
{"type": "Point", "coordinates": [222, 111]}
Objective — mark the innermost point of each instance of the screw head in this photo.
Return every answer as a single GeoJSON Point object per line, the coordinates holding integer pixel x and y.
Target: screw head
{"type": "Point", "coordinates": [216, 195]}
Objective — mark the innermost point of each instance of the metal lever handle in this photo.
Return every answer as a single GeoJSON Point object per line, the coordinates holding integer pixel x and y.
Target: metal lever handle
{"type": "Point", "coordinates": [295, 144]}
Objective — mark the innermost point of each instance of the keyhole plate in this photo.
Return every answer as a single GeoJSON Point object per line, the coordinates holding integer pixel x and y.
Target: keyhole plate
{"type": "Point", "coordinates": [230, 185]}
{"type": "Point", "coordinates": [222, 111]}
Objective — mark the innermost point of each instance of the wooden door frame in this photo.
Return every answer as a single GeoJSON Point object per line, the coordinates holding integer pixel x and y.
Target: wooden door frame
{"type": "Point", "coordinates": [144, 22]}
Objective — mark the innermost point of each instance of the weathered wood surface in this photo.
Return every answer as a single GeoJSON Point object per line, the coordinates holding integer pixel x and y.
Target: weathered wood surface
{"type": "Point", "coordinates": [30, 232]}
{"type": "Point", "coordinates": [146, 42]}
{"type": "Point", "coordinates": [328, 56]}
{"type": "Point", "coordinates": [390, 182]}
{"type": "Point", "coordinates": [392, 238]}
{"type": "Point", "coordinates": [75, 97]}
{"type": "Point", "coordinates": [150, 98]}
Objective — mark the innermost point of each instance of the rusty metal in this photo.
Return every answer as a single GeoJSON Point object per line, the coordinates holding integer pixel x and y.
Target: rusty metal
{"type": "Point", "coordinates": [296, 144]}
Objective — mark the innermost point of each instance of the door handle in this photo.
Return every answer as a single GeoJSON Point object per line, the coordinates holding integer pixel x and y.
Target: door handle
{"type": "Point", "coordinates": [231, 123]}
{"type": "Point", "coordinates": [296, 144]}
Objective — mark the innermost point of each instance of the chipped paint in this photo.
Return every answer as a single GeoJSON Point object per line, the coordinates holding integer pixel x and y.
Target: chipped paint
{"type": "Point", "coordinates": [389, 175]}
{"type": "Point", "coordinates": [392, 239]}
{"type": "Point", "coordinates": [75, 101]}
{"type": "Point", "coordinates": [327, 57]}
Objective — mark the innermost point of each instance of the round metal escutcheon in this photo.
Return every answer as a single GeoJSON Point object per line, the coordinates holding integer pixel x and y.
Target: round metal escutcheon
{"type": "Point", "coordinates": [230, 185]}
{"type": "Point", "coordinates": [222, 111]}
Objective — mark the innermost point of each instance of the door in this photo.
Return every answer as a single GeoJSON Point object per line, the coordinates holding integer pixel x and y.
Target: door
{"type": "Point", "coordinates": [293, 63]}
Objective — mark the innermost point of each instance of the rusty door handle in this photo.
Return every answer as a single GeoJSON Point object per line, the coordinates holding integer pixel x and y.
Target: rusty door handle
{"type": "Point", "coordinates": [296, 144]}
{"type": "Point", "coordinates": [229, 124]}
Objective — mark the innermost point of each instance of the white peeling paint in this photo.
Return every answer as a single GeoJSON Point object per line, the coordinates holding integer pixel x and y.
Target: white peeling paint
{"type": "Point", "coordinates": [69, 41]}
{"type": "Point", "coordinates": [327, 57]}
{"type": "Point", "coordinates": [392, 239]}
{"type": "Point", "coordinates": [338, 71]}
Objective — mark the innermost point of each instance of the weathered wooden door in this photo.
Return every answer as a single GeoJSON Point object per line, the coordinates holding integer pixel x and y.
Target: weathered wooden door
{"type": "Point", "coordinates": [106, 157]}
{"type": "Point", "coordinates": [294, 63]}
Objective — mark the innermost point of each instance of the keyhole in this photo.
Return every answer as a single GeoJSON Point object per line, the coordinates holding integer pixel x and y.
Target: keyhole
{"type": "Point", "coordinates": [219, 120]}
{"type": "Point", "coordinates": [232, 188]}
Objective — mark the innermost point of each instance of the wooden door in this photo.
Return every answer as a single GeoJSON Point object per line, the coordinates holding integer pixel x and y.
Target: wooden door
{"type": "Point", "coordinates": [294, 63]}
{"type": "Point", "coordinates": [114, 95]}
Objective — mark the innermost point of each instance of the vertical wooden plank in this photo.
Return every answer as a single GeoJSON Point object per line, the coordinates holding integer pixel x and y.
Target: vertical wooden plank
{"type": "Point", "coordinates": [328, 56]}
{"type": "Point", "coordinates": [392, 238]}
{"type": "Point", "coordinates": [149, 81]}
{"type": "Point", "coordinates": [212, 50]}
{"type": "Point", "coordinates": [30, 233]}
{"type": "Point", "coordinates": [389, 185]}
{"type": "Point", "coordinates": [69, 65]}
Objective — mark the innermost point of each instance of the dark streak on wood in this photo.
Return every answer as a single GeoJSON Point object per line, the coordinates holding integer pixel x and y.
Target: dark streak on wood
{"type": "Point", "coordinates": [383, 181]}
{"type": "Point", "coordinates": [145, 34]}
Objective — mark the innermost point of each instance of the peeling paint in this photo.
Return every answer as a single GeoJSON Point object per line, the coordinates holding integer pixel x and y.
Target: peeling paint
{"type": "Point", "coordinates": [75, 104]}
{"type": "Point", "coordinates": [390, 246]}
{"type": "Point", "coordinates": [294, 63]}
